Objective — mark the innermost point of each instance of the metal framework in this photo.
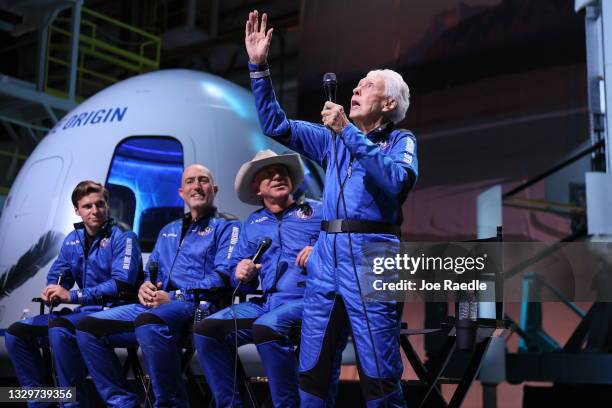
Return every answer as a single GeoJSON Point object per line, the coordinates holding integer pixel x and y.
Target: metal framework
{"type": "Point", "coordinates": [77, 55]}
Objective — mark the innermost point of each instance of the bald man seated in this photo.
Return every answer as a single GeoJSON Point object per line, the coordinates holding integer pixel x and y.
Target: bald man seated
{"type": "Point", "coordinates": [189, 254]}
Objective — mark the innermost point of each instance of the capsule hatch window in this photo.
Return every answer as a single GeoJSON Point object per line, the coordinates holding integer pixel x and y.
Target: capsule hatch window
{"type": "Point", "coordinates": [142, 181]}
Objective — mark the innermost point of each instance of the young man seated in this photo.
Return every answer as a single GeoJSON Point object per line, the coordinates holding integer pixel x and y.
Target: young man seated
{"type": "Point", "coordinates": [102, 261]}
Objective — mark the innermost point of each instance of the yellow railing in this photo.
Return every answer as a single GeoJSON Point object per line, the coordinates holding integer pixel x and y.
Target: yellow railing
{"type": "Point", "coordinates": [102, 60]}
{"type": "Point", "coordinates": [12, 155]}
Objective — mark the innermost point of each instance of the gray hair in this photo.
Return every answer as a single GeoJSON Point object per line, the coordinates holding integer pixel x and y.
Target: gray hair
{"type": "Point", "coordinates": [396, 89]}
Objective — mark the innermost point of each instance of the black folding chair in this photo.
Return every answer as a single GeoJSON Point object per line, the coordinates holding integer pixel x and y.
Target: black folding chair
{"type": "Point", "coordinates": [131, 362]}
{"type": "Point", "coordinates": [247, 382]}
{"type": "Point", "coordinates": [221, 297]}
{"type": "Point", "coordinates": [435, 373]}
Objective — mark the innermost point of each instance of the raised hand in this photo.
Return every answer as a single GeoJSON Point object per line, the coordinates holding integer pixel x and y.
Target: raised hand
{"type": "Point", "coordinates": [256, 39]}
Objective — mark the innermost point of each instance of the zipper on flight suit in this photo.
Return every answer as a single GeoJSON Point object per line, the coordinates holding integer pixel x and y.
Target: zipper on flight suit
{"type": "Point", "coordinates": [280, 242]}
{"type": "Point", "coordinates": [349, 172]}
{"type": "Point", "coordinates": [86, 253]}
{"type": "Point", "coordinates": [184, 232]}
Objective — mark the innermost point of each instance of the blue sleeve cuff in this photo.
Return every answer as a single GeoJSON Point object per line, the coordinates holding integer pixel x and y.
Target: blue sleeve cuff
{"type": "Point", "coordinates": [258, 67]}
{"type": "Point", "coordinates": [350, 131]}
{"type": "Point", "coordinates": [74, 296]}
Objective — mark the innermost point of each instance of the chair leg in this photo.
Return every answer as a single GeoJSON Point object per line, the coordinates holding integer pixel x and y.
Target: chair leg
{"type": "Point", "coordinates": [247, 385]}
{"type": "Point", "coordinates": [419, 368]}
{"type": "Point", "coordinates": [46, 354]}
{"type": "Point", "coordinates": [470, 374]}
{"type": "Point", "coordinates": [132, 362]}
{"type": "Point", "coordinates": [202, 387]}
{"type": "Point", "coordinates": [448, 352]}
{"type": "Point", "coordinates": [413, 358]}
{"type": "Point", "coordinates": [149, 399]}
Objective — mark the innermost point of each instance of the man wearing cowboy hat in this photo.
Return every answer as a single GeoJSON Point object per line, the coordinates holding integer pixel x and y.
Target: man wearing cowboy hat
{"type": "Point", "coordinates": [267, 180]}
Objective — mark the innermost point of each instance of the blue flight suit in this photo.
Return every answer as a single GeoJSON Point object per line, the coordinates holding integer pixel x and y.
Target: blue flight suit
{"type": "Point", "coordinates": [376, 171]}
{"type": "Point", "coordinates": [189, 255]}
{"type": "Point", "coordinates": [271, 322]}
{"type": "Point", "coordinates": [102, 268]}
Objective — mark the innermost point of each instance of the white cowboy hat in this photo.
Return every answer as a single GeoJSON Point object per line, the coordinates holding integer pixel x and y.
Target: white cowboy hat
{"type": "Point", "coordinates": [262, 159]}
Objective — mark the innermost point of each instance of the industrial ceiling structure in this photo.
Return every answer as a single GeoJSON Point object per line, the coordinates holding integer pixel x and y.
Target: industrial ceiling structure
{"type": "Point", "coordinates": [46, 70]}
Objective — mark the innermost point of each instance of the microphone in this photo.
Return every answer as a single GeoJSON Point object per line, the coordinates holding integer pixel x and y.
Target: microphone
{"type": "Point", "coordinates": [54, 302]}
{"type": "Point", "coordinates": [330, 86]}
{"type": "Point", "coordinates": [153, 270]}
{"type": "Point", "coordinates": [264, 244]}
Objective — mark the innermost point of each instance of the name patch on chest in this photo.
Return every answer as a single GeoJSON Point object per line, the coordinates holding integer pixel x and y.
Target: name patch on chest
{"type": "Point", "coordinates": [205, 231]}
{"type": "Point", "coordinates": [383, 144]}
{"type": "Point", "coordinates": [304, 213]}
{"type": "Point", "coordinates": [262, 219]}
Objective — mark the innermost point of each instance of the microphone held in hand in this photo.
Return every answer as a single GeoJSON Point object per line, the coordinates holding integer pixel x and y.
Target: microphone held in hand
{"type": "Point", "coordinates": [330, 86]}
{"type": "Point", "coordinates": [153, 271]}
{"type": "Point", "coordinates": [264, 244]}
{"type": "Point", "coordinates": [54, 302]}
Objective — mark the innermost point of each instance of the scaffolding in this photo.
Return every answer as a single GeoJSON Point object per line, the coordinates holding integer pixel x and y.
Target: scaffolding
{"type": "Point", "coordinates": [101, 43]}
{"type": "Point", "coordinates": [79, 52]}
